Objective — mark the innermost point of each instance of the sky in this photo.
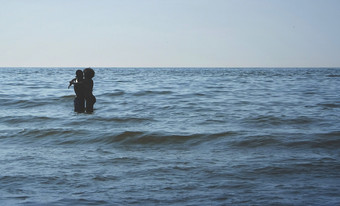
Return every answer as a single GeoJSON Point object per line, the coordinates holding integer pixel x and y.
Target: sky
{"type": "Point", "coordinates": [169, 33]}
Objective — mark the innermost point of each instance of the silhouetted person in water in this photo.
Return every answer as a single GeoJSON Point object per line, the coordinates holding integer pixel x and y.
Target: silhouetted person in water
{"type": "Point", "coordinates": [79, 101]}
{"type": "Point", "coordinates": [88, 88]}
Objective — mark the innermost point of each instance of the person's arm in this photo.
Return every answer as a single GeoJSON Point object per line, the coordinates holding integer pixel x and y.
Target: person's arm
{"type": "Point", "coordinates": [72, 82]}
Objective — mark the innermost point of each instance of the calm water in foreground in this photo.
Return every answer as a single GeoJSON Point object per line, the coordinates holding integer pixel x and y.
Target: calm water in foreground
{"type": "Point", "coordinates": [171, 136]}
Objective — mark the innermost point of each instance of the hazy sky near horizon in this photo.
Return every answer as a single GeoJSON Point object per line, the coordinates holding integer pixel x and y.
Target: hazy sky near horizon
{"type": "Point", "coordinates": [170, 33]}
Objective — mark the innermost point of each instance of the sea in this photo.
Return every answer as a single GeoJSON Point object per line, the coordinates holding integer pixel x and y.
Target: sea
{"type": "Point", "coordinates": [171, 136]}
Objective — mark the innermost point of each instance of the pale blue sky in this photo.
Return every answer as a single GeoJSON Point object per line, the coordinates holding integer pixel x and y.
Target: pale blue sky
{"type": "Point", "coordinates": [170, 33]}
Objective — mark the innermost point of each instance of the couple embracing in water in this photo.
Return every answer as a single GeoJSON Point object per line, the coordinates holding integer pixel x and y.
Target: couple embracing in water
{"type": "Point", "coordinates": [83, 87]}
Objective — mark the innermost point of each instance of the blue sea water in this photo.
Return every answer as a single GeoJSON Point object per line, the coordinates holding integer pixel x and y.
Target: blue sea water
{"type": "Point", "coordinates": [171, 136]}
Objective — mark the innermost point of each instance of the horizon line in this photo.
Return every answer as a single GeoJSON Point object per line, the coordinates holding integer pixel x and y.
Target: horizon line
{"type": "Point", "coordinates": [227, 67]}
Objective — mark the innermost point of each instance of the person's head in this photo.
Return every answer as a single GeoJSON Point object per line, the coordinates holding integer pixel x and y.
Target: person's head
{"type": "Point", "coordinates": [88, 73]}
{"type": "Point", "coordinates": [79, 74]}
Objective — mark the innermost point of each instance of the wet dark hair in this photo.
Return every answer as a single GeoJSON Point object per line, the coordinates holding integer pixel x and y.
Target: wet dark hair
{"type": "Point", "coordinates": [89, 73]}
{"type": "Point", "coordinates": [79, 73]}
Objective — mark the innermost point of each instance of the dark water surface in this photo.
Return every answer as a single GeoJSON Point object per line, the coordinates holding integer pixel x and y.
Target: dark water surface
{"type": "Point", "coordinates": [171, 136]}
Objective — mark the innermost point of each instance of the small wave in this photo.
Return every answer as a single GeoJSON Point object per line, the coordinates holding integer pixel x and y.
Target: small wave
{"type": "Point", "coordinates": [25, 119]}
{"type": "Point", "coordinates": [153, 138]}
{"type": "Point", "coordinates": [20, 103]}
{"type": "Point", "coordinates": [32, 103]}
{"type": "Point", "coordinates": [149, 92]}
{"type": "Point", "coordinates": [43, 136]}
{"type": "Point", "coordinates": [122, 119]}
{"type": "Point", "coordinates": [113, 94]}
{"type": "Point", "coordinates": [66, 201]}
{"type": "Point", "coordinates": [256, 141]}
{"type": "Point", "coordinates": [51, 136]}
{"type": "Point", "coordinates": [40, 133]}
{"type": "Point", "coordinates": [335, 134]}
{"type": "Point", "coordinates": [294, 166]}
{"type": "Point", "coordinates": [130, 137]}
{"type": "Point", "coordinates": [328, 140]}
{"type": "Point", "coordinates": [138, 137]}
{"type": "Point", "coordinates": [330, 105]}
{"type": "Point", "coordinates": [300, 120]}
{"type": "Point", "coordinates": [104, 178]}
{"type": "Point", "coordinates": [68, 136]}
{"type": "Point", "coordinates": [263, 119]}
{"type": "Point", "coordinates": [333, 75]}
{"type": "Point", "coordinates": [273, 120]}
{"type": "Point", "coordinates": [67, 97]}
{"type": "Point", "coordinates": [282, 170]}
{"type": "Point", "coordinates": [199, 94]}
